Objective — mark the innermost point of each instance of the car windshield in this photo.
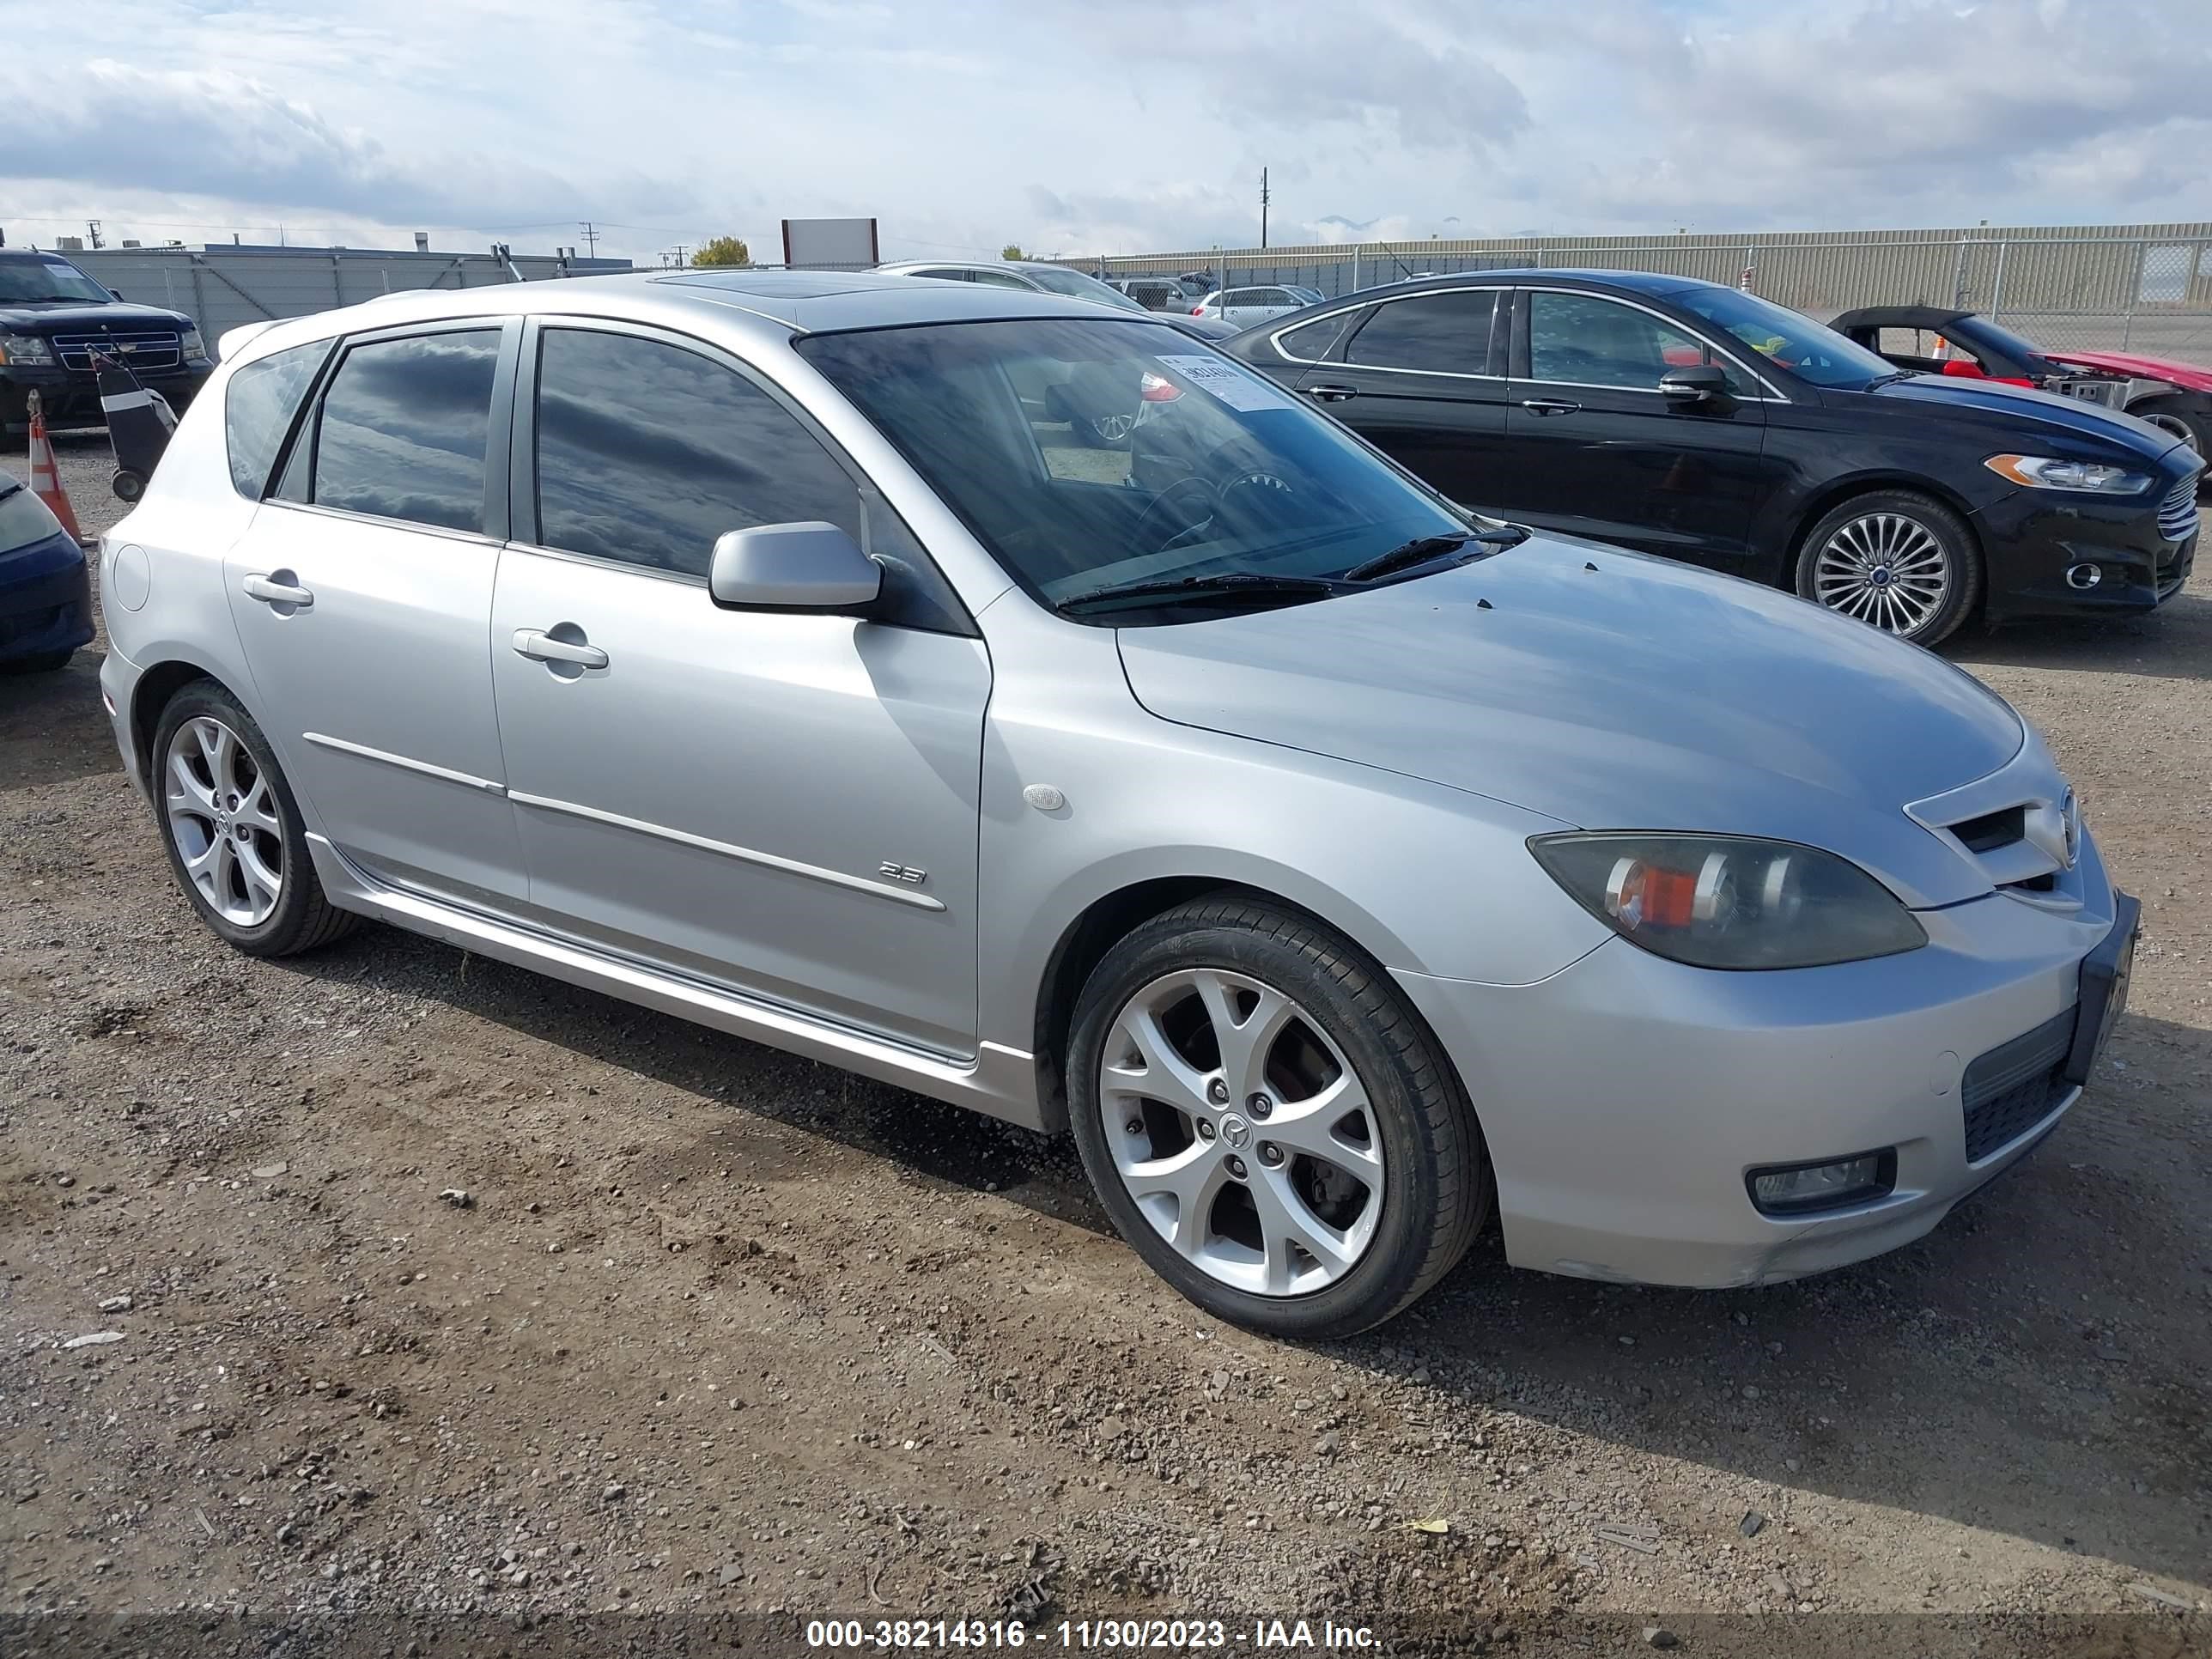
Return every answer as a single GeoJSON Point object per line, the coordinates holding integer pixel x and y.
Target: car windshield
{"type": "Point", "coordinates": [1995, 337]}
{"type": "Point", "coordinates": [1810, 350]}
{"type": "Point", "coordinates": [1085, 455]}
{"type": "Point", "coordinates": [23, 517]}
{"type": "Point", "coordinates": [1077, 286]}
{"type": "Point", "coordinates": [34, 282]}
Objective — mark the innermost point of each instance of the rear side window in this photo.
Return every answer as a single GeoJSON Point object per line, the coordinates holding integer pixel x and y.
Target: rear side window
{"type": "Point", "coordinates": [1446, 333]}
{"type": "Point", "coordinates": [1311, 342]}
{"type": "Point", "coordinates": [403, 429]}
{"type": "Point", "coordinates": [257, 408]}
{"type": "Point", "coordinates": [647, 453]}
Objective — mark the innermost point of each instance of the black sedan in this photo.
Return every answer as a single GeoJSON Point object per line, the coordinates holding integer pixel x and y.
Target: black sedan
{"type": "Point", "coordinates": [1691, 419]}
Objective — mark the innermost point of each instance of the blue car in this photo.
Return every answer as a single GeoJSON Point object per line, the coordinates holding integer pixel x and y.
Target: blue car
{"type": "Point", "coordinates": [45, 590]}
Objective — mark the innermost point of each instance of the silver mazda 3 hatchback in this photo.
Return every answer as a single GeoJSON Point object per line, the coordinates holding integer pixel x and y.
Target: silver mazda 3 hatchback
{"type": "Point", "coordinates": [792, 652]}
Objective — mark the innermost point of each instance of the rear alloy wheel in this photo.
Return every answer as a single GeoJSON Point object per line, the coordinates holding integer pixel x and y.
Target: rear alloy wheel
{"type": "Point", "coordinates": [1267, 1124]}
{"type": "Point", "coordinates": [232, 829]}
{"type": "Point", "coordinates": [1897, 561]}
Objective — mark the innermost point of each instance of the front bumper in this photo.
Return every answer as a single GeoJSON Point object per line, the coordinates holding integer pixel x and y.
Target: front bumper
{"type": "Point", "coordinates": [1625, 1099]}
{"type": "Point", "coordinates": [70, 397]}
{"type": "Point", "coordinates": [2031, 538]}
{"type": "Point", "coordinates": [45, 599]}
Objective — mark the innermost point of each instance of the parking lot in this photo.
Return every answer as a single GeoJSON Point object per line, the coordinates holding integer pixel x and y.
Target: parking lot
{"type": "Point", "coordinates": [440, 1285]}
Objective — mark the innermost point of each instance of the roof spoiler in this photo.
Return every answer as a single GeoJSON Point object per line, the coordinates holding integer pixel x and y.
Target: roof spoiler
{"type": "Point", "coordinates": [234, 339]}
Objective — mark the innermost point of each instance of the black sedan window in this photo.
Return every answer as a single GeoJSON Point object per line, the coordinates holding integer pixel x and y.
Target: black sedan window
{"type": "Point", "coordinates": [1446, 333]}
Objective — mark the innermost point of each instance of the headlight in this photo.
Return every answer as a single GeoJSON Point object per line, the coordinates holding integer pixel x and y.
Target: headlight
{"type": "Point", "coordinates": [1729, 901]}
{"type": "Point", "coordinates": [191, 344]}
{"type": "Point", "coordinates": [24, 349]}
{"type": "Point", "coordinates": [2048, 472]}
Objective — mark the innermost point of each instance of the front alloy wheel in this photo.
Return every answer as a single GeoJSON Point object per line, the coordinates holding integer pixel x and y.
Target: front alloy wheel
{"type": "Point", "coordinates": [1268, 1121]}
{"type": "Point", "coordinates": [1897, 561]}
{"type": "Point", "coordinates": [1242, 1131]}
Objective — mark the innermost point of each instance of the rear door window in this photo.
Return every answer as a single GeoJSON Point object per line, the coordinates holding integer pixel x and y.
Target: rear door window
{"type": "Point", "coordinates": [405, 427]}
{"type": "Point", "coordinates": [1445, 333]}
{"type": "Point", "coordinates": [258, 407]}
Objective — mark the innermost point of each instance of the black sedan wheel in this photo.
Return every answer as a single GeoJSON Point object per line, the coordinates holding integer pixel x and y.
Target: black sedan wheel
{"type": "Point", "coordinates": [1898, 561]}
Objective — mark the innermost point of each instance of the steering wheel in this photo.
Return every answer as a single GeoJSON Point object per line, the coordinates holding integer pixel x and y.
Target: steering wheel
{"type": "Point", "coordinates": [1193, 497]}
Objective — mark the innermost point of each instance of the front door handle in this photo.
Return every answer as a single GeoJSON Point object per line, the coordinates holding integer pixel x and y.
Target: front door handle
{"type": "Point", "coordinates": [270, 591]}
{"type": "Point", "coordinates": [1549, 406]}
{"type": "Point", "coordinates": [1332, 394]}
{"type": "Point", "coordinates": [541, 647]}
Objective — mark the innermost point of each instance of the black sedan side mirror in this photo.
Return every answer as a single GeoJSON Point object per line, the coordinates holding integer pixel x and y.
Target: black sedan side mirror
{"type": "Point", "coordinates": [791, 566]}
{"type": "Point", "coordinates": [1698, 384]}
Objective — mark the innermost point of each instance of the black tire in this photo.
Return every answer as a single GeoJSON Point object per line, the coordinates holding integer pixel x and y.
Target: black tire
{"type": "Point", "coordinates": [1436, 1193]}
{"type": "Point", "coordinates": [1961, 557]}
{"type": "Point", "coordinates": [2186, 418]}
{"type": "Point", "coordinates": [46, 662]}
{"type": "Point", "coordinates": [303, 919]}
{"type": "Point", "coordinates": [128, 486]}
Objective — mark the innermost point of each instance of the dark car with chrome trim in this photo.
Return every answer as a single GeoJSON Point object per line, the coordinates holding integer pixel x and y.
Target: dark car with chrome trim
{"type": "Point", "coordinates": [55, 320]}
{"type": "Point", "coordinates": [1695, 421]}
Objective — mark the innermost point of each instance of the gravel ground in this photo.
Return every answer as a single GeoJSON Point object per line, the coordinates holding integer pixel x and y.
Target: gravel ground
{"type": "Point", "coordinates": [714, 1331]}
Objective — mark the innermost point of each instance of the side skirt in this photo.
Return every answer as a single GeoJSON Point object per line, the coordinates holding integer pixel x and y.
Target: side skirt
{"type": "Point", "coordinates": [999, 1082]}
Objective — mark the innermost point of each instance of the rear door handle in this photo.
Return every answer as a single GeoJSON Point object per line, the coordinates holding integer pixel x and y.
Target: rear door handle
{"type": "Point", "coordinates": [1549, 406]}
{"type": "Point", "coordinates": [1332, 394]}
{"type": "Point", "coordinates": [272, 591]}
{"type": "Point", "coordinates": [541, 647]}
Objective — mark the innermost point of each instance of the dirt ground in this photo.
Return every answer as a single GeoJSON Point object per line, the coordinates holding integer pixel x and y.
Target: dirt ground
{"type": "Point", "coordinates": [717, 1332]}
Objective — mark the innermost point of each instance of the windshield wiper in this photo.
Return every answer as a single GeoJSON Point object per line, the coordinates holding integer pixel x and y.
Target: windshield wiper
{"type": "Point", "coordinates": [1422, 548]}
{"type": "Point", "coordinates": [1226, 585]}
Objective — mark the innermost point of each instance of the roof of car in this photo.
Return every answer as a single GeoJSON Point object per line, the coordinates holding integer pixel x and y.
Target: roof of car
{"type": "Point", "coordinates": [768, 303]}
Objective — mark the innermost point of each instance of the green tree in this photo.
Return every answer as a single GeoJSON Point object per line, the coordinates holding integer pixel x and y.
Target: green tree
{"type": "Point", "coordinates": [723, 250]}
{"type": "Point", "coordinates": [1012, 251]}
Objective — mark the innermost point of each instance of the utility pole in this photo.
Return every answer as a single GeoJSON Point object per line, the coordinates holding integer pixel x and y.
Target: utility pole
{"type": "Point", "coordinates": [679, 256]}
{"type": "Point", "coordinates": [591, 236]}
{"type": "Point", "coordinates": [1263, 207]}
{"type": "Point", "coordinates": [92, 233]}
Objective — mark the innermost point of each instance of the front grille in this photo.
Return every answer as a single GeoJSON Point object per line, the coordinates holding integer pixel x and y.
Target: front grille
{"type": "Point", "coordinates": [145, 350]}
{"type": "Point", "coordinates": [2014, 1087]}
{"type": "Point", "coordinates": [2177, 513]}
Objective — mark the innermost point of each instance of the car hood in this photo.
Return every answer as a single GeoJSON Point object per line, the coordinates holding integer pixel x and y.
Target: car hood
{"type": "Point", "coordinates": [89, 317]}
{"type": "Point", "coordinates": [2023, 410]}
{"type": "Point", "coordinates": [2195, 376]}
{"type": "Point", "coordinates": [1637, 694]}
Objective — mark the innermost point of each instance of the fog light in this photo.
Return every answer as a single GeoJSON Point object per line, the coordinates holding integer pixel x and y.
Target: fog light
{"type": "Point", "coordinates": [1794, 1188]}
{"type": "Point", "coordinates": [2083, 577]}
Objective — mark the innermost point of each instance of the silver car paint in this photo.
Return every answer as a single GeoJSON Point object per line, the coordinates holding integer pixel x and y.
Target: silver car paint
{"type": "Point", "coordinates": [1621, 1096]}
{"type": "Point", "coordinates": [1749, 712]}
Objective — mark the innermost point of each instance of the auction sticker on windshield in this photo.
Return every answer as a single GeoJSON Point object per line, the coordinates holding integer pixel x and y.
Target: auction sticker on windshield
{"type": "Point", "coordinates": [1238, 389]}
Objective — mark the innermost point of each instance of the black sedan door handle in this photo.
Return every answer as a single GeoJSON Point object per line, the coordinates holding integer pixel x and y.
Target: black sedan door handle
{"type": "Point", "coordinates": [1332, 394]}
{"type": "Point", "coordinates": [1549, 406]}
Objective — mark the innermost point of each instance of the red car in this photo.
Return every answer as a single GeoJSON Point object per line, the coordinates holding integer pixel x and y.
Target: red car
{"type": "Point", "coordinates": [2174, 396]}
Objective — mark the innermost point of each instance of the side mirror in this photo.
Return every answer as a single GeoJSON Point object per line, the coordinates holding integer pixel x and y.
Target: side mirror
{"type": "Point", "coordinates": [1696, 384]}
{"type": "Point", "coordinates": [791, 566]}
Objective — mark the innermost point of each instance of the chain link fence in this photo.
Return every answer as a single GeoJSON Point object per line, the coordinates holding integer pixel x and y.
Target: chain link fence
{"type": "Point", "coordinates": [2149, 292]}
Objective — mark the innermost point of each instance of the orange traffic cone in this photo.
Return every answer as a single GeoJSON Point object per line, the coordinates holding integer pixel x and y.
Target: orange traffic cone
{"type": "Point", "coordinates": [45, 474]}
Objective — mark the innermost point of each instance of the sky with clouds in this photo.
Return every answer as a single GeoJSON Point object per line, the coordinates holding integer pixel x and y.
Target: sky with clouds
{"type": "Point", "coordinates": [1080, 126]}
